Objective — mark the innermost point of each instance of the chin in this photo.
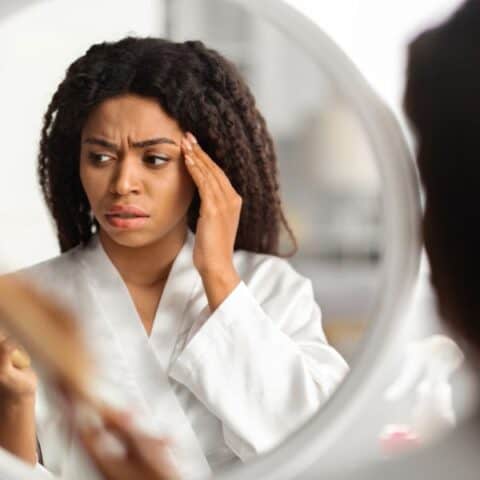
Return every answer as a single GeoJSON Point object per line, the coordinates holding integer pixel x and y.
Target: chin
{"type": "Point", "coordinates": [130, 238]}
{"type": "Point", "coordinates": [136, 238]}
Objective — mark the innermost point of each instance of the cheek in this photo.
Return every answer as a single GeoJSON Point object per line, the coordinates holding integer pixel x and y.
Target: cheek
{"type": "Point", "coordinates": [91, 183]}
{"type": "Point", "coordinates": [186, 186]}
{"type": "Point", "coordinates": [176, 190]}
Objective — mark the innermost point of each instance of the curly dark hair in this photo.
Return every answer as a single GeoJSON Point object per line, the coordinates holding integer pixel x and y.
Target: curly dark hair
{"type": "Point", "coordinates": [197, 87]}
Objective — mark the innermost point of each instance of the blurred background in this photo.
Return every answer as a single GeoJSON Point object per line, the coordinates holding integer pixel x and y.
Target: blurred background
{"type": "Point", "coordinates": [330, 186]}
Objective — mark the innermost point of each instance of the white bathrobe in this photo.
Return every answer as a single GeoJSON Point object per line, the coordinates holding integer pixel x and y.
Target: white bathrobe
{"type": "Point", "coordinates": [226, 386]}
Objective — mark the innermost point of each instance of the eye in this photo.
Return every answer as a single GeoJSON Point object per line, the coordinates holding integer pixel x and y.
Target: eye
{"type": "Point", "coordinates": [156, 160]}
{"type": "Point", "coordinates": [99, 158]}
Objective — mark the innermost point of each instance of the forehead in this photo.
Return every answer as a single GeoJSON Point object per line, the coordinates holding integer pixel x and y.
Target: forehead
{"type": "Point", "coordinates": [130, 115]}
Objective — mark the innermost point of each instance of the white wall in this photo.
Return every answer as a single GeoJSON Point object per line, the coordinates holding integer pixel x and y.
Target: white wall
{"type": "Point", "coordinates": [38, 44]}
{"type": "Point", "coordinates": [375, 33]}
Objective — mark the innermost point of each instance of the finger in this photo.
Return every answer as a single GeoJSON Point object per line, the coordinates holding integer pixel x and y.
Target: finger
{"type": "Point", "coordinates": [7, 347]}
{"type": "Point", "coordinates": [112, 416]}
{"type": "Point", "coordinates": [203, 159]}
{"type": "Point", "coordinates": [18, 378]}
{"type": "Point", "coordinates": [226, 196]}
{"type": "Point", "coordinates": [220, 196]}
{"type": "Point", "coordinates": [120, 423]}
{"type": "Point", "coordinates": [9, 342]}
{"type": "Point", "coordinates": [109, 466]}
{"type": "Point", "coordinates": [207, 161]}
{"type": "Point", "coordinates": [208, 188]}
{"type": "Point", "coordinates": [3, 335]}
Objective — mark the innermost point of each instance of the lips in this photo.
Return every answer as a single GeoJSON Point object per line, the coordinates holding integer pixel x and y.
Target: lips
{"type": "Point", "coordinates": [126, 211]}
{"type": "Point", "coordinates": [126, 217]}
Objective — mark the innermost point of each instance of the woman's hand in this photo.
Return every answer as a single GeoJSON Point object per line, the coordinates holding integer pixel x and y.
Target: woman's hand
{"type": "Point", "coordinates": [16, 384]}
{"type": "Point", "coordinates": [17, 403]}
{"type": "Point", "coordinates": [217, 225]}
{"type": "Point", "coordinates": [220, 207]}
{"type": "Point", "coordinates": [144, 457]}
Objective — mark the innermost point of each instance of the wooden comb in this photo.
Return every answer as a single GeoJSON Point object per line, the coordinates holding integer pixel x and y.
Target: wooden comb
{"type": "Point", "coordinates": [49, 332]}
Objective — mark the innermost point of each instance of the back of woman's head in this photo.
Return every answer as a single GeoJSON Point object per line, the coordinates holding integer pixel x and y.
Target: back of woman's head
{"type": "Point", "coordinates": [443, 101]}
{"type": "Point", "coordinates": [197, 87]}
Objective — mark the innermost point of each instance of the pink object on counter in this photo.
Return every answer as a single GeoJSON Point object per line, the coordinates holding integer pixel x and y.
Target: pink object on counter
{"type": "Point", "coordinates": [397, 439]}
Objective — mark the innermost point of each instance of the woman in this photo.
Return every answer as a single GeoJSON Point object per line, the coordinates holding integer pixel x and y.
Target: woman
{"type": "Point", "coordinates": [161, 178]}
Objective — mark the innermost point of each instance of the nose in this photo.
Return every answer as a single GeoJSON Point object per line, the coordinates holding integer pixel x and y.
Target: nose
{"type": "Point", "coordinates": [126, 177]}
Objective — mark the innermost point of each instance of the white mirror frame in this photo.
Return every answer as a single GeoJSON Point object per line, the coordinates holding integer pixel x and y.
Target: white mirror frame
{"type": "Point", "coordinates": [401, 210]}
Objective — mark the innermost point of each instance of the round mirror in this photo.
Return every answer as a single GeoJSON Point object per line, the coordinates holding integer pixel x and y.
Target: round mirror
{"type": "Point", "coordinates": [346, 177]}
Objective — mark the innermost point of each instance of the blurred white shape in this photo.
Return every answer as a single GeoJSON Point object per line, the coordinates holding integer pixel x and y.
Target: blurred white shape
{"type": "Point", "coordinates": [375, 34]}
{"type": "Point", "coordinates": [428, 367]}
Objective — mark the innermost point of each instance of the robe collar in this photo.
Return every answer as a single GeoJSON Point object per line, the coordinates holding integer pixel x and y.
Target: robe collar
{"type": "Point", "coordinates": [169, 321]}
{"type": "Point", "coordinates": [149, 357]}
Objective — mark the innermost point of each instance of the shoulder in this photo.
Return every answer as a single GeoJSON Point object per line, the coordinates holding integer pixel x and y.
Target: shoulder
{"type": "Point", "coordinates": [270, 271]}
{"type": "Point", "coordinates": [285, 295]}
{"type": "Point", "coordinates": [55, 270]}
{"type": "Point", "coordinates": [58, 276]}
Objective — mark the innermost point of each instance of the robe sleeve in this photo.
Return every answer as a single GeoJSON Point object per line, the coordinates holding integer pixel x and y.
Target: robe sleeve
{"type": "Point", "coordinates": [52, 439]}
{"type": "Point", "coordinates": [43, 473]}
{"type": "Point", "coordinates": [262, 374]}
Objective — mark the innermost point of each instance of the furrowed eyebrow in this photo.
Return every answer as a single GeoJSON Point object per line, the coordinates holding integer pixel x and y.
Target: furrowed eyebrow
{"type": "Point", "coordinates": [143, 144]}
{"type": "Point", "coordinates": [153, 141]}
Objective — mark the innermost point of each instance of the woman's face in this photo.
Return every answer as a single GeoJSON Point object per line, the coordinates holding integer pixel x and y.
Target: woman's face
{"type": "Point", "coordinates": [133, 172]}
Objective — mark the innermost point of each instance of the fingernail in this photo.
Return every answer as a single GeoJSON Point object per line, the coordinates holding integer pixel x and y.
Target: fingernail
{"type": "Point", "coordinates": [187, 144]}
{"type": "Point", "coordinates": [192, 138]}
{"type": "Point", "coordinates": [188, 160]}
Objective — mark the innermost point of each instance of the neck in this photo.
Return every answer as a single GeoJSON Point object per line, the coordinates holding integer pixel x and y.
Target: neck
{"type": "Point", "coordinates": [147, 265]}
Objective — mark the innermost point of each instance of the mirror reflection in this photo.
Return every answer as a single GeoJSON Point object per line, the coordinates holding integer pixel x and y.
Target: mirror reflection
{"type": "Point", "coordinates": [222, 254]}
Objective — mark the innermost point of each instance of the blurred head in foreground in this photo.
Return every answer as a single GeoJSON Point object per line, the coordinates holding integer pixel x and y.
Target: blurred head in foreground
{"type": "Point", "coordinates": [442, 101]}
